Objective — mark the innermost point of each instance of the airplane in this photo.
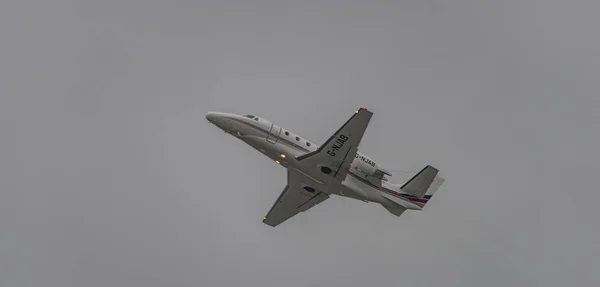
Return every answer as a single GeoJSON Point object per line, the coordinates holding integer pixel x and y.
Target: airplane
{"type": "Point", "coordinates": [314, 173]}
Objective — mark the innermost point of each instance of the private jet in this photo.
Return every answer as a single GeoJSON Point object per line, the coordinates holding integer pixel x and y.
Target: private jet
{"type": "Point", "coordinates": [314, 173]}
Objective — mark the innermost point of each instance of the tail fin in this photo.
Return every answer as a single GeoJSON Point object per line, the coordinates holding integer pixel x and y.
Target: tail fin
{"type": "Point", "coordinates": [414, 194]}
{"type": "Point", "coordinates": [422, 186]}
{"type": "Point", "coordinates": [419, 184]}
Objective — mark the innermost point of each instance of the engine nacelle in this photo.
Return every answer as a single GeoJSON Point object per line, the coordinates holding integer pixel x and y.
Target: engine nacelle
{"type": "Point", "coordinates": [368, 167]}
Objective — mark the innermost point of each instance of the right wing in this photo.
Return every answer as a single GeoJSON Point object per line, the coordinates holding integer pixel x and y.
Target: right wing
{"type": "Point", "coordinates": [335, 156]}
{"type": "Point", "coordinates": [300, 194]}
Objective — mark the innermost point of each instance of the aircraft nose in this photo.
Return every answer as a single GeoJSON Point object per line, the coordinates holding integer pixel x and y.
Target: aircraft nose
{"type": "Point", "coordinates": [212, 116]}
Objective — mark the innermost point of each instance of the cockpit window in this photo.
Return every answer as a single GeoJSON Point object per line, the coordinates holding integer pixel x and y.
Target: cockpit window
{"type": "Point", "coordinates": [249, 116]}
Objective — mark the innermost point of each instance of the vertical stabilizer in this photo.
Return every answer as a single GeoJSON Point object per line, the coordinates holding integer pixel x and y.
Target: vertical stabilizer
{"type": "Point", "coordinates": [421, 182]}
{"type": "Point", "coordinates": [415, 193]}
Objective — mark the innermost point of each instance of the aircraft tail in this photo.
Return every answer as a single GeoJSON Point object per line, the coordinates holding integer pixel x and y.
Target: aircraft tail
{"type": "Point", "coordinates": [414, 194]}
{"type": "Point", "coordinates": [421, 187]}
{"type": "Point", "coordinates": [419, 184]}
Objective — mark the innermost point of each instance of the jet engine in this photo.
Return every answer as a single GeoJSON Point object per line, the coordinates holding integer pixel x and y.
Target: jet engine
{"type": "Point", "coordinates": [370, 168]}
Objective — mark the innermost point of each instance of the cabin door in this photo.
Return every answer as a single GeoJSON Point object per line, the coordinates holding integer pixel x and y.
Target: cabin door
{"type": "Point", "coordinates": [273, 135]}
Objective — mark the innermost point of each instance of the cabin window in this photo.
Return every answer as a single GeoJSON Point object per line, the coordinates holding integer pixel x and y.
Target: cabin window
{"type": "Point", "coordinates": [249, 116]}
{"type": "Point", "coordinates": [307, 144]}
{"type": "Point", "coordinates": [298, 138]}
{"type": "Point", "coordinates": [287, 133]}
{"type": "Point", "coordinates": [256, 119]}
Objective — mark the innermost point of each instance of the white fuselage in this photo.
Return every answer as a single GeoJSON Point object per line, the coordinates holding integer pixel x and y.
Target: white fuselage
{"type": "Point", "coordinates": [282, 146]}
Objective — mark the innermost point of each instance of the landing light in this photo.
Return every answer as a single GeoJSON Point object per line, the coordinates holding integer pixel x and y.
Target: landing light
{"type": "Point", "coordinates": [277, 161]}
{"type": "Point", "coordinates": [282, 155]}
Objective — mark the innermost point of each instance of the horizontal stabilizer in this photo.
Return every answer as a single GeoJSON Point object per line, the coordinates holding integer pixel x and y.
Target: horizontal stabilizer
{"type": "Point", "coordinates": [393, 207]}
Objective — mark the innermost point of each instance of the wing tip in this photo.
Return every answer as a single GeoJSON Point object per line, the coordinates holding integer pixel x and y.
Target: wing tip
{"type": "Point", "coordinates": [267, 223]}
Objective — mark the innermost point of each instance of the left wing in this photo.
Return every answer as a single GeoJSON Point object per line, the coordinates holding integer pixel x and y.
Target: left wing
{"type": "Point", "coordinates": [300, 194]}
{"type": "Point", "coordinates": [335, 156]}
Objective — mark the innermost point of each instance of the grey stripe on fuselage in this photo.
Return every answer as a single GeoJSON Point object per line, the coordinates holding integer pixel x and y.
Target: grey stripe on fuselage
{"type": "Point", "coordinates": [289, 143]}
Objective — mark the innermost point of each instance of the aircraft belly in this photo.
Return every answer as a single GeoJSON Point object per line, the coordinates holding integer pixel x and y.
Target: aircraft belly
{"type": "Point", "coordinates": [273, 151]}
{"type": "Point", "coordinates": [364, 191]}
{"type": "Point", "coordinates": [350, 187]}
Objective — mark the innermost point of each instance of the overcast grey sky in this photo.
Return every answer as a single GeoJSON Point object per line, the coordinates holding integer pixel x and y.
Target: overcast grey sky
{"type": "Point", "coordinates": [111, 176]}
